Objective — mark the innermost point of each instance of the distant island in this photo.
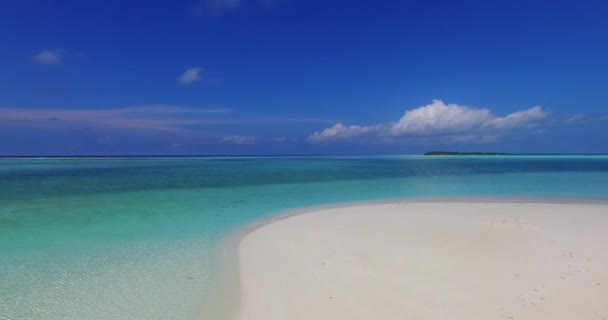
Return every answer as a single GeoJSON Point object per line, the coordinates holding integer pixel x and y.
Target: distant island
{"type": "Point", "coordinates": [453, 153]}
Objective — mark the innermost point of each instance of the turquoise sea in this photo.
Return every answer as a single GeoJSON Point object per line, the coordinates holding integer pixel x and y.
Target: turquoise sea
{"type": "Point", "coordinates": [137, 238]}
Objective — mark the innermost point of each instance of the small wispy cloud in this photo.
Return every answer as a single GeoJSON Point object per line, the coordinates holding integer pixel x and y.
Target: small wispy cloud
{"type": "Point", "coordinates": [577, 119]}
{"type": "Point", "coordinates": [218, 8]}
{"type": "Point", "coordinates": [453, 122]}
{"type": "Point", "coordinates": [49, 57]}
{"type": "Point", "coordinates": [191, 75]}
{"type": "Point", "coordinates": [238, 139]}
{"type": "Point", "coordinates": [573, 119]}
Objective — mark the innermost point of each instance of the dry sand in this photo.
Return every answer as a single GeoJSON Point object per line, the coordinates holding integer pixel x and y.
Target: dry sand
{"type": "Point", "coordinates": [435, 260]}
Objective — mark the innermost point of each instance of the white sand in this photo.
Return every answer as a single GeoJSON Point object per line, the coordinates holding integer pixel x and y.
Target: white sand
{"type": "Point", "coordinates": [429, 261]}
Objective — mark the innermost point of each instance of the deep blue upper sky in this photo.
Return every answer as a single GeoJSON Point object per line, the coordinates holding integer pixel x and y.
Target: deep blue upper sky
{"type": "Point", "coordinates": [275, 76]}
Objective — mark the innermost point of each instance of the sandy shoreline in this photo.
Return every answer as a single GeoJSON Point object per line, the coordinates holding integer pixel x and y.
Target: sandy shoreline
{"type": "Point", "coordinates": [452, 259]}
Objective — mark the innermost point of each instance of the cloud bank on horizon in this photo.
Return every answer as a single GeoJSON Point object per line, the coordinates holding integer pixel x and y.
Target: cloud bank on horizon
{"type": "Point", "coordinates": [114, 130]}
{"type": "Point", "coordinates": [149, 124]}
{"type": "Point", "coordinates": [165, 118]}
{"type": "Point", "coordinates": [452, 122]}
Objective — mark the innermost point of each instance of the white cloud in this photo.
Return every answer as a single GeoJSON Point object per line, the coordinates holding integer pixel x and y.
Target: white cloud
{"type": "Point", "coordinates": [191, 75]}
{"type": "Point", "coordinates": [237, 139]}
{"type": "Point", "coordinates": [49, 57]}
{"type": "Point", "coordinates": [453, 121]}
{"type": "Point", "coordinates": [340, 131]}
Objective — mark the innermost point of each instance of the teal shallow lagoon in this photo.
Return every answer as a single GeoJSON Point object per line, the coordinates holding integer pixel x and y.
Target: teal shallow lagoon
{"type": "Point", "coordinates": [135, 238]}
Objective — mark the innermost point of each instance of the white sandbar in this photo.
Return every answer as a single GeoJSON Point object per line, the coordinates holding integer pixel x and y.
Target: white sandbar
{"type": "Point", "coordinates": [435, 260]}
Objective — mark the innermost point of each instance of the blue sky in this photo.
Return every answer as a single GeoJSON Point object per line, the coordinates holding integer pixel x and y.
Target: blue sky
{"type": "Point", "coordinates": [302, 77]}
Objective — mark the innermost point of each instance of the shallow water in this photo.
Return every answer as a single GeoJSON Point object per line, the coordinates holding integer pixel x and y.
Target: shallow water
{"type": "Point", "coordinates": [135, 238]}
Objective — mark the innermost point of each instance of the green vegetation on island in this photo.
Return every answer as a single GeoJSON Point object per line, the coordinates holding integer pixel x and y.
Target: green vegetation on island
{"type": "Point", "coordinates": [453, 153]}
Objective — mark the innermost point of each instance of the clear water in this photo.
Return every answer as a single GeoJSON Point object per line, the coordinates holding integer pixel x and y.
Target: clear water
{"type": "Point", "coordinates": [136, 238]}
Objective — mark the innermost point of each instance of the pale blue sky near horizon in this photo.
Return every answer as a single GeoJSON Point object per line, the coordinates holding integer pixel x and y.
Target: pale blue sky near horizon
{"type": "Point", "coordinates": [302, 77]}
